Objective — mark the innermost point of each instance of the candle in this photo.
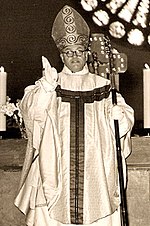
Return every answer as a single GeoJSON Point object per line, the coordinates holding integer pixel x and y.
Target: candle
{"type": "Point", "coordinates": [146, 97]}
{"type": "Point", "coordinates": [3, 86]}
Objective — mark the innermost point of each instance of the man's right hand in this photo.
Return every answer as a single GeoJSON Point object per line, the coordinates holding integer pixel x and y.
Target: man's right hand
{"type": "Point", "coordinates": [49, 72]}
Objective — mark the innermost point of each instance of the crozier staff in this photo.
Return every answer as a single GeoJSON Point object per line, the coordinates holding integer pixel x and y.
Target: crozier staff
{"type": "Point", "coordinates": [70, 174]}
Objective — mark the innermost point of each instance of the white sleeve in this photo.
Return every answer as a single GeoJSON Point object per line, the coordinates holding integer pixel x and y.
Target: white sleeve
{"type": "Point", "coordinates": [37, 97]}
{"type": "Point", "coordinates": [126, 120]}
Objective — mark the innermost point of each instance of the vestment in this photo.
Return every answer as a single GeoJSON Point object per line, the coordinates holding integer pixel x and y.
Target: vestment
{"type": "Point", "coordinates": [61, 147]}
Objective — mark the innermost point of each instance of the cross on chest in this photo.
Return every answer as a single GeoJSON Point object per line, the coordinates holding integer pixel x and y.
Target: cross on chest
{"type": "Point", "coordinates": [77, 99]}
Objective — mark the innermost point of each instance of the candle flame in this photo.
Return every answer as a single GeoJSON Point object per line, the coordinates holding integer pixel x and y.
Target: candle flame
{"type": "Point", "coordinates": [146, 66]}
{"type": "Point", "coordinates": [2, 69]}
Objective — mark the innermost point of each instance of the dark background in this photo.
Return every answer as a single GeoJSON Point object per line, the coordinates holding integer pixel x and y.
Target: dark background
{"type": "Point", "coordinates": [25, 35]}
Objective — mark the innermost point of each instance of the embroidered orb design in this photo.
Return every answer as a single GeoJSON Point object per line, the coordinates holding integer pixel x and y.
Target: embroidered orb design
{"type": "Point", "coordinates": [70, 29]}
{"type": "Point", "coordinates": [69, 19]}
{"type": "Point", "coordinates": [71, 39]}
{"type": "Point", "coordinates": [66, 10]}
{"type": "Point", "coordinates": [83, 39]}
{"type": "Point", "coordinates": [61, 43]}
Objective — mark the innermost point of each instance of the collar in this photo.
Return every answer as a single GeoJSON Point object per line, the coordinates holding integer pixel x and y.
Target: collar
{"type": "Point", "coordinates": [84, 71]}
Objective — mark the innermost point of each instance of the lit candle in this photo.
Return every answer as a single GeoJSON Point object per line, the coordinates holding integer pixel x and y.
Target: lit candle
{"type": "Point", "coordinates": [146, 96]}
{"type": "Point", "coordinates": [3, 86]}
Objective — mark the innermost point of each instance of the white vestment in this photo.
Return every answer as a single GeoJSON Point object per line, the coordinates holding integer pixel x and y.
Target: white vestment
{"type": "Point", "coordinates": [44, 195]}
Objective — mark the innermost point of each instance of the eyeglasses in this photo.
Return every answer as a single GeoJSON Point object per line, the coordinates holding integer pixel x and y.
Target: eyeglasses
{"type": "Point", "coordinates": [71, 53]}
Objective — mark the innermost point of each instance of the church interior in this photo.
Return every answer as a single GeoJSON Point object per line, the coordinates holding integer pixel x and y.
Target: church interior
{"type": "Point", "coordinates": [26, 36]}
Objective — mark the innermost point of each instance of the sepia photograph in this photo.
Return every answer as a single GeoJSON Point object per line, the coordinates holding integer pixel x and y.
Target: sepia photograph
{"type": "Point", "coordinates": [75, 113]}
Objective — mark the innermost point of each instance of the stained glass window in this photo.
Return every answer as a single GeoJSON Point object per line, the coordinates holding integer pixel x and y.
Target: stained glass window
{"type": "Point", "coordinates": [128, 19]}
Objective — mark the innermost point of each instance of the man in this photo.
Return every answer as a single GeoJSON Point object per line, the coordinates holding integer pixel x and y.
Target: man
{"type": "Point", "coordinates": [70, 174]}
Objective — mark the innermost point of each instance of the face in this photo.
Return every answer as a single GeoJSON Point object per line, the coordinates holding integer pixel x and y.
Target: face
{"type": "Point", "coordinates": [76, 59]}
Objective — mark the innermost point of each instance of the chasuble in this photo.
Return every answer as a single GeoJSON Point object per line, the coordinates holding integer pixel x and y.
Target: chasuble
{"type": "Point", "coordinates": [70, 174]}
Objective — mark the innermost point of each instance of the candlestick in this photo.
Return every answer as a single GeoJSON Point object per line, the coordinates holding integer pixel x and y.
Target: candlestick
{"type": "Point", "coordinates": [146, 97]}
{"type": "Point", "coordinates": [3, 87]}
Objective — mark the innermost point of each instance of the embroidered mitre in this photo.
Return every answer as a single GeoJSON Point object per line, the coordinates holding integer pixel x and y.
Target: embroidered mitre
{"type": "Point", "coordinates": [69, 28]}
